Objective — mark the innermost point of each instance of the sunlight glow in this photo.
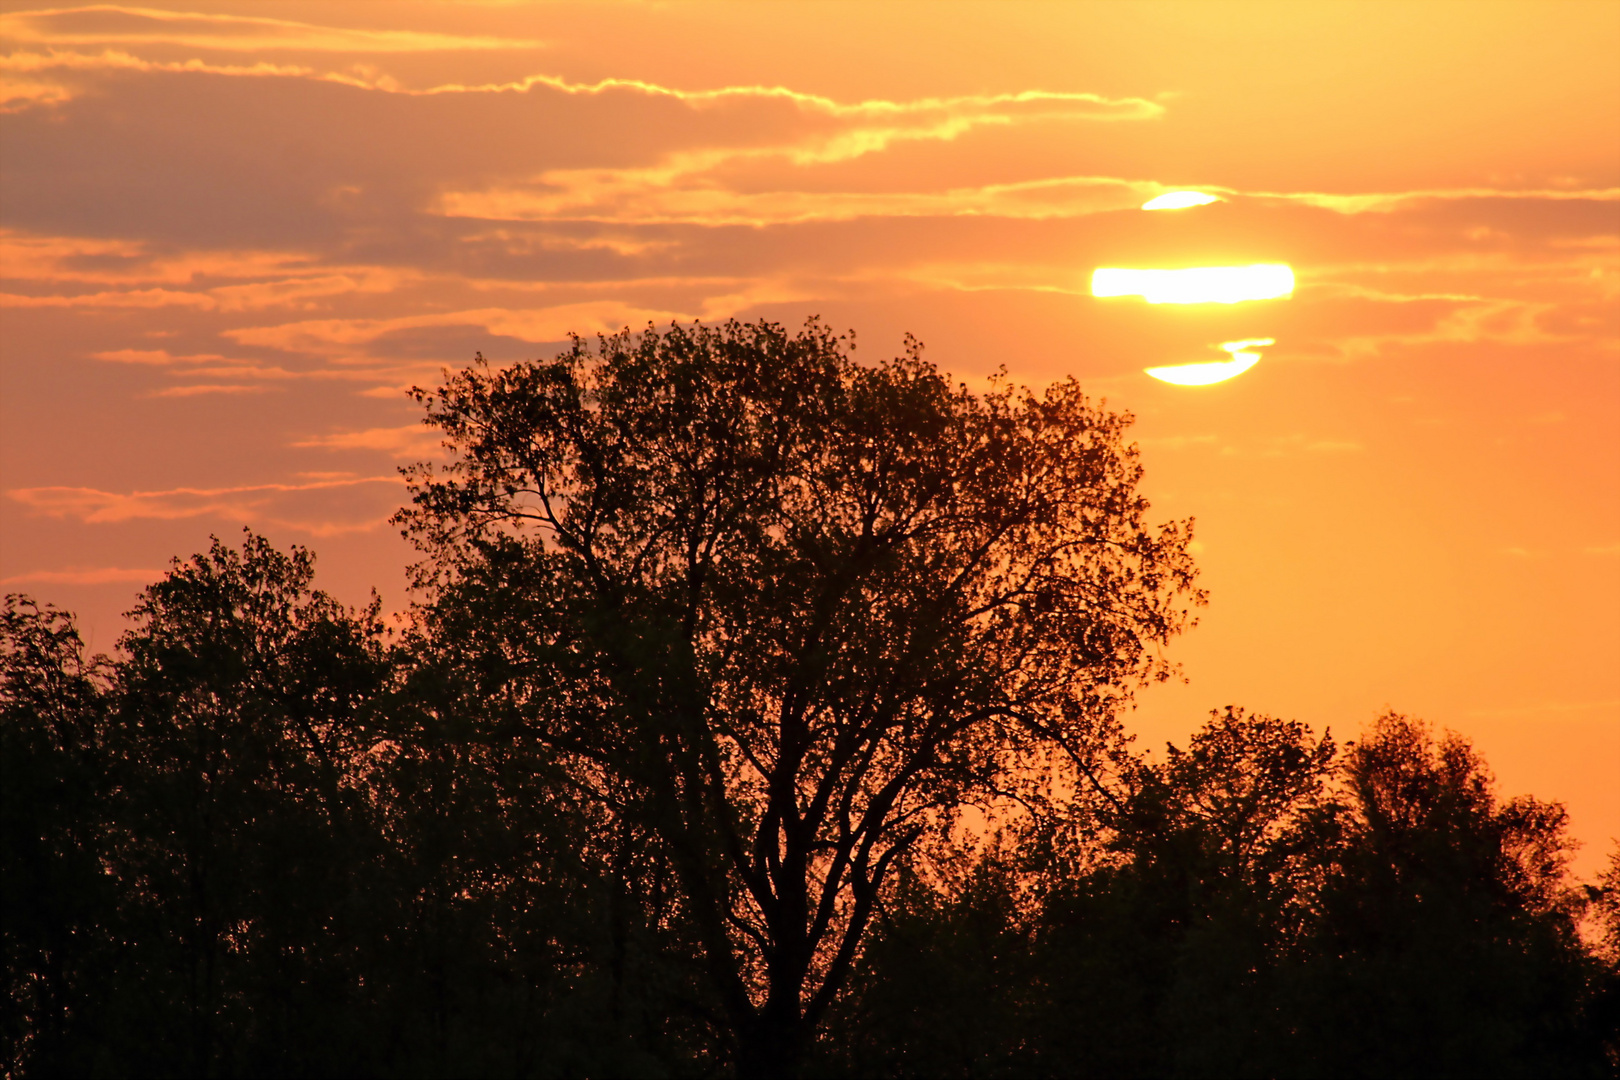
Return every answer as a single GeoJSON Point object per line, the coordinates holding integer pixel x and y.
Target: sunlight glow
{"type": "Point", "coordinates": [1215, 371]}
{"type": "Point", "coordinates": [1179, 200]}
{"type": "Point", "coordinates": [1198, 285]}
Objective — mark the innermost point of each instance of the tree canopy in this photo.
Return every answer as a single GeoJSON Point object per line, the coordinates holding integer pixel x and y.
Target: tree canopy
{"type": "Point", "coordinates": [788, 614]}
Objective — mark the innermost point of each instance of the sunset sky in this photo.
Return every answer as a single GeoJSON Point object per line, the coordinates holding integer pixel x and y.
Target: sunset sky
{"type": "Point", "coordinates": [234, 234]}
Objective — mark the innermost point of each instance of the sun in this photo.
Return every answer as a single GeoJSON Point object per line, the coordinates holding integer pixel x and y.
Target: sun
{"type": "Point", "coordinates": [1180, 200]}
{"type": "Point", "coordinates": [1215, 370]}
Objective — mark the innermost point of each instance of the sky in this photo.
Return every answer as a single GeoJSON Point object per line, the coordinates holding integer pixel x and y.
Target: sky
{"type": "Point", "coordinates": [231, 236]}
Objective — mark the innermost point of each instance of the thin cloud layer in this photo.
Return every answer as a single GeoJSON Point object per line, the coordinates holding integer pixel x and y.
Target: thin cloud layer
{"type": "Point", "coordinates": [94, 575]}
{"type": "Point", "coordinates": [97, 24]}
{"type": "Point", "coordinates": [326, 507]}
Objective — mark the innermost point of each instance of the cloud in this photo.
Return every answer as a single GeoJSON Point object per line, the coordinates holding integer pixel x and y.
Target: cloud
{"type": "Point", "coordinates": [406, 441]}
{"type": "Point", "coordinates": [216, 366]}
{"type": "Point", "coordinates": [299, 290]}
{"type": "Point", "coordinates": [134, 298]}
{"type": "Point", "coordinates": [206, 388]}
{"type": "Point", "coordinates": [111, 261]}
{"type": "Point", "coordinates": [751, 122]}
{"type": "Point", "coordinates": [683, 188]}
{"type": "Point", "coordinates": [96, 575]}
{"type": "Point", "coordinates": [881, 113]}
{"type": "Point", "coordinates": [103, 23]}
{"type": "Point", "coordinates": [151, 357]}
{"type": "Point", "coordinates": [692, 176]}
{"type": "Point", "coordinates": [18, 94]}
{"type": "Point", "coordinates": [30, 91]}
{"type": "Point", "coordinates": [1388, 202]}
{"type": "Point", "coordinates": [246, 502]}
{"type": "Point", "coordinates": [267, 279]}
{"type": "Point", "coordinates": [679, 192]}
{"type": "Point", "coordinates": [339, 337]}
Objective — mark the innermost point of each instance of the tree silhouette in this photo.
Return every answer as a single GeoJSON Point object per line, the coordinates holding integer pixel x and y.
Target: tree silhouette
{"type": "Point", "coordinates": [784, 616]}
{"type": "Point", "coordinates": [53, 784]}
{"type": "Point", "coordinates": [1445, 938]}
{"type": "Point", "coordinates": [1259, 905]}
{"type": "Point", "coordinates": [238, 726]}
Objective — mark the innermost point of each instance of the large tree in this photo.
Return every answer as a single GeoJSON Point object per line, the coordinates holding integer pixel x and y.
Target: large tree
{"type": "Point", "coordinates": [782, 616]}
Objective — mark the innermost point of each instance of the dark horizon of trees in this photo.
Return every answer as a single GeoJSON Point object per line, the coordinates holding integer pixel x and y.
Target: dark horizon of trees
{"type": "Point", "coordinates": [759, 716]}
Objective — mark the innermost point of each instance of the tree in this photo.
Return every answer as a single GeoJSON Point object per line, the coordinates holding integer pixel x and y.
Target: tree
{"type": "Point", "coordinates": [1444, 941]}
{"type": "Point", "coordinates": [1156, 940]}
{"type": "Point", "coordinates": [1258, 905]}
{"type": "Point", "coordinates": [782, 616]}
{"type": "Point", "coordinates": [55, 902]}
{"type": "Point", "coordinates": [243, 843]}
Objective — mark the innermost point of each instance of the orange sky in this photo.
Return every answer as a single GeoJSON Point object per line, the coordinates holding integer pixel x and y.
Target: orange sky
{"type": "Point", "coordinates": [233, 233]}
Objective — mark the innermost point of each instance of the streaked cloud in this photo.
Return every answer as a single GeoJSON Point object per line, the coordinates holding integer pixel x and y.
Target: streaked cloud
{"type": "Point", "coordinates": [677, 192]}
{"type": "Point", "coordinates": [94, 575]}
{"type": "Point", "coordinates": [133, 298]}
{"type": "Point", "coordinates": [97, 24]}
{"type": "Point", "coordinates": [206, 388]}
{"type": "Point", "coordinates": [1390, 201]}
{"type": "Point", "coordinates": [248, 502]}
{"type": "Point", "coordinates": [405, 441]}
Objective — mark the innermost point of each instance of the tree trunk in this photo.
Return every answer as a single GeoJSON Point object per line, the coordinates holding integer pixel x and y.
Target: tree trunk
{"type": "Point", "coordinates": [772, 1047]}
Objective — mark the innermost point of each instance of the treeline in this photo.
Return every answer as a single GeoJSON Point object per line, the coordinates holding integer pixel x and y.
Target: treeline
{"type": "Point", "coordinates": [265, 840]}
{"type": "Point", "coordinates": [758, 716]}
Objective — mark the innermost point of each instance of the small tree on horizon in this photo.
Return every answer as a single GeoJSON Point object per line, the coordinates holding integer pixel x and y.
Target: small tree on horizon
{"type": "Point", "coordinates": [784, 616]}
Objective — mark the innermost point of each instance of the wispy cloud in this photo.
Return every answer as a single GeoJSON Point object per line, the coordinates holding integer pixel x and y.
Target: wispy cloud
{"type": "Point", "coordinates": [1389, 201]}
{"type": "Point", "coordinates": [256, 373]}
{"type": "Point", "coordinates": [339, 337]}
{"type": "Point", "coordinates": [837, 131]}
{"type": "Point", "coordinates": [111, 23]}
{"type": "Point", "coordinates": [107, 261]}
{"type": "Point", "coordinates": [405, 441]}
{"type": "Point", "coordinates": [95, 575]}
{"type": "Point", "coordinates": [684, 188]}
{"type": "Point", "coordinates": [134, 298]}
{"type": "Point", "coordinates": [206, 388]}
{"type": "Point", "coordinates": [679, 191]}
{"type": "Point", "coordinates": [246, 502]}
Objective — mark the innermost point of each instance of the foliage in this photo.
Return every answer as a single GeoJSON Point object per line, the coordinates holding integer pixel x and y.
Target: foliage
{"type": "Point", "coordinates": [1453, 933]}
{"type": "Point", "coordinates": [784, 615]}
{"type": "Point", "coordinates": [1263, 905]}
{"type": "Point", "coordinates": [53, 785]}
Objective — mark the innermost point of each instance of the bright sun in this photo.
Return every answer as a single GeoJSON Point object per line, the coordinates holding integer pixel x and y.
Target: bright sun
{"type": "Point", "coordinates": [1179, 200]}
{"type": "Point", "coordinates": [1216, 370]}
